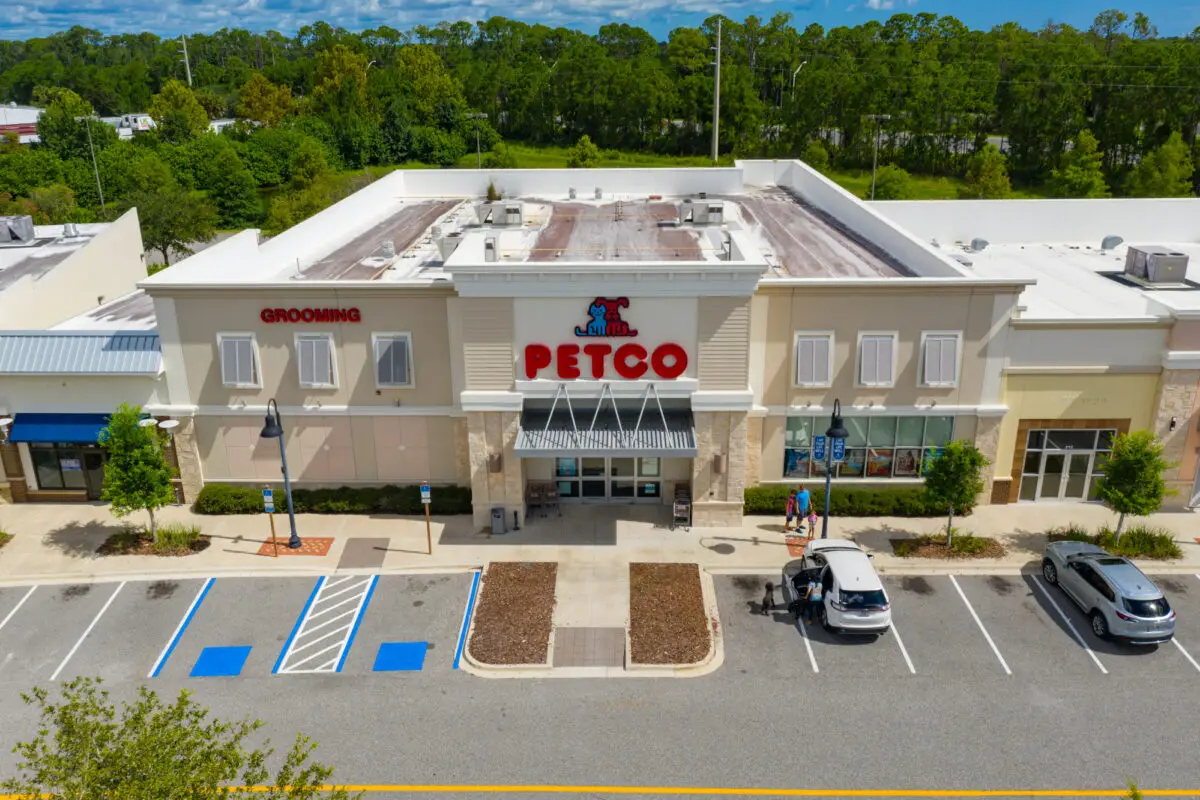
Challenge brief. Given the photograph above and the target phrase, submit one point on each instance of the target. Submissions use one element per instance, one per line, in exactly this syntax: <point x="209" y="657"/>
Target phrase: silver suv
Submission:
<point x="1120" y="601"/>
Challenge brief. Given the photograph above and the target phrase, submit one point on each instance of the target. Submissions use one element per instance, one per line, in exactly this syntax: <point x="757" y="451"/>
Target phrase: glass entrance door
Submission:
<point x="1064" y="464"/>
<point x="602" y="480"/>
<point x="93" y="470"/>
<point x="1064" y="476"/>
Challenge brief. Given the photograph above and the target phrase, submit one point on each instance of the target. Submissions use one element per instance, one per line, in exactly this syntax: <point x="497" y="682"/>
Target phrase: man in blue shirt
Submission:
<point x="803" y="500"/>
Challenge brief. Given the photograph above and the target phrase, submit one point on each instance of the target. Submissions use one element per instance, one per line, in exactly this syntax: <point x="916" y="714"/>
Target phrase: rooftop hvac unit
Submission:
<point x="571" y="193"/>
<point x="512" y="214"/>
<point x="499" y="213"/>
<point x="490" y="249"/>
<point x="70" y="230"/>
<point x="16" y="229"/>
<point x="693" y="212"/>
<point x="716" y="213"/>
<point x="448" y="244"/>
<point x="1155" y="264"/>
<point x="387" y="249"/>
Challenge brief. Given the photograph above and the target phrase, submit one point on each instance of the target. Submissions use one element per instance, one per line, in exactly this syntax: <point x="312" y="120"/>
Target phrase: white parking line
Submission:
<point x="903" y="649"/>
<point x="790" y="592"/>
<point x="1037" y="582"/>
<point x="108" y="603"/>
<point x="16" y="608"/>
<point x="330" y="620"/>
<point x="982" y="629"/>
<point x="1186" y="654"/>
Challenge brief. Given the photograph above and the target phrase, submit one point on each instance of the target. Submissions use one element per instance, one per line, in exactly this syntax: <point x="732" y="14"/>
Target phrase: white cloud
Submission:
<point x="881" y="5"/>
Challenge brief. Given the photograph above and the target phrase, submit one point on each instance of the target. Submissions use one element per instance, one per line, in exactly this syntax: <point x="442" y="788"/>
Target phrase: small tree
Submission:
<point x="501" y="157"/>
<point x="1165" y="172"/>
<point x="987" y="176"/>
<point x="136" y="474"/>
<point x="816" y="155"/>
<point x="954" y="479"/>
<point x="89" y="749"/>
<point x="1133" y="476"/>
<point x="1082" y="170"/>
<point x="892" y="183"/>
<point x="173" y="219"/>
<point x="177" y="114"/>
<point x="584" y="155"/>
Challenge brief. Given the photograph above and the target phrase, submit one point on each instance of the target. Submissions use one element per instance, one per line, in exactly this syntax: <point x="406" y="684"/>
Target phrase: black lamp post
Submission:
<point x="273" y="429"/>
<point x="836" y="431"/>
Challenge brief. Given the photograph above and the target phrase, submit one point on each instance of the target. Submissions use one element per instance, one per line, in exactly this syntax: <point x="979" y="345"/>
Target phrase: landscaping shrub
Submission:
<point x="175" y="537"/>
<point x="5" y="537"/>
<point x="962" y="545"/>
<point x="1138" y="541"/>
<point x="218" y="498"/>
<point x="888" y="501"/>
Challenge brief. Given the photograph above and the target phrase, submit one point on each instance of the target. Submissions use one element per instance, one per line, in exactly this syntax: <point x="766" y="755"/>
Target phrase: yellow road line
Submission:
<point x="723" y="791"/>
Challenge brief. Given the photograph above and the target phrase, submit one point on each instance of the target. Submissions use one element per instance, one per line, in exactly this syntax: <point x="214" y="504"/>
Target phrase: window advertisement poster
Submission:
<point x="879" y="463"/>
<point x="795" y="463"/>
<point x="70" y="465"/>
<point x="908" y="461"/>
<point x="854" y="463"/>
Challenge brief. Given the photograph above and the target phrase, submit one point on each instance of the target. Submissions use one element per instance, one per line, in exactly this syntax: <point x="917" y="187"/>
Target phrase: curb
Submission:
<point x="58" y="578"/>
<point x="479" y="669"/>
<point x="712" y="660"/>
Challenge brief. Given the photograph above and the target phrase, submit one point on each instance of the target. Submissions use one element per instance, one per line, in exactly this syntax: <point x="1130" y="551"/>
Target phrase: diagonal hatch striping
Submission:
<point x="327" y="628"/>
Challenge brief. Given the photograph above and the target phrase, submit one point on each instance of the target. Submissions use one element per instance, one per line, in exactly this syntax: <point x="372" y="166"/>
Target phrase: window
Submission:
<point x="877" y="359"/>
<point x="239" y="359"/>
<point x="393" y="359"/>
<point x="314" y="352"/>
<point x="61" y="465"/>
<point x="878" y="447"/>
<point x="1048" y="452"/>
<point x="939" y="355"/>
<point x="1147" y="609"/>
<point x="814" y="359"/>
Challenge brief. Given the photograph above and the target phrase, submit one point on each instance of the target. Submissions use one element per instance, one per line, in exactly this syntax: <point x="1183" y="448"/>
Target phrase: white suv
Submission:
<point x="854" y="598"/>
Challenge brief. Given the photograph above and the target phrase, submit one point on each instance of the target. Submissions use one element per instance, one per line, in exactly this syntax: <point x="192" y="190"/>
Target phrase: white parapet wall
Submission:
<point x="556" y="183"/>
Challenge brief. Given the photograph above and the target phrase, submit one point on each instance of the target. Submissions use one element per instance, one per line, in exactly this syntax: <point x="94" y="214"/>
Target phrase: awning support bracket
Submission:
<point x="562" y="391"/>
<point x="650" y="390"/>
<point x="607" y="388"/>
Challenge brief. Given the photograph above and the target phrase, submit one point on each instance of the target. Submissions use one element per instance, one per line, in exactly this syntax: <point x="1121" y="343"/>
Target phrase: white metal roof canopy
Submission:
<point x="567" y="432"/>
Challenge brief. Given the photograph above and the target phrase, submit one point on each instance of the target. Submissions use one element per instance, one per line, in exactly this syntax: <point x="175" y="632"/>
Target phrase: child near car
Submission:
<point x="792" y="509"/>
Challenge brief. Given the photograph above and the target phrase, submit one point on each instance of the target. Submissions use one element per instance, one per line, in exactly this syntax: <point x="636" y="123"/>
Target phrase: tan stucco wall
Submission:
<point x="495" y="432"/>
<point x="717" y="499"/>
<point x="1070" y="396"/>
<point x="423" y="314"/>
<point x="1179" y="398"/>
<point x="848" y="312"/>
<point x="330" y="450"/>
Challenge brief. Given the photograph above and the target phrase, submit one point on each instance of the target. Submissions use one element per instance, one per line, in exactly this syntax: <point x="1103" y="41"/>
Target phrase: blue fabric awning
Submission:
<point x="57" y="427"/>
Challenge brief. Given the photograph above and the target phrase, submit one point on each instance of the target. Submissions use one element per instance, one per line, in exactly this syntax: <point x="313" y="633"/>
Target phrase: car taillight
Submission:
<point x="837" y="606"/>
<point x="1124" y="616"/>
<point x="885" y="607"/>
<point x="1171" y="615"/>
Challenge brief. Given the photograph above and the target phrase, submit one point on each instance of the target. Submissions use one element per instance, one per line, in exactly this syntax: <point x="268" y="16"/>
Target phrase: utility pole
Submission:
<point x="478" y="153"/>
<point x="717" y="95"/>
<point x="875" y="158"/>
<point x="187" y="66"/>
<point x="96" y="169"/>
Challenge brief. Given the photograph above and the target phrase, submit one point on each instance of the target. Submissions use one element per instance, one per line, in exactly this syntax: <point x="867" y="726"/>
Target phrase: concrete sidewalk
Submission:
<point x="57" y="543"/>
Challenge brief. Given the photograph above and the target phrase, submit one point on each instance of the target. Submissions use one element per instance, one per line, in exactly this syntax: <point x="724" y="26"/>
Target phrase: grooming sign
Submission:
<point x="606" y="338"/>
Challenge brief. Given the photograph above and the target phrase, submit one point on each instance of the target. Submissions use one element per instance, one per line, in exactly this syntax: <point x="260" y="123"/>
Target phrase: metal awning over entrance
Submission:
<point x="646" y="432"/>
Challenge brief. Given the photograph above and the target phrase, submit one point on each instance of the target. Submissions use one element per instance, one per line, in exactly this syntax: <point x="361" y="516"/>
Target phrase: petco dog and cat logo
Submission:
<point x="630" y="361"/>
<point x="606" y="319"/>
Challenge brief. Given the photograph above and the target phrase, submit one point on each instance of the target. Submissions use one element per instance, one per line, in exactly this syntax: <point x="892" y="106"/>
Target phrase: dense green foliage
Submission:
<point x="1113" y="108"/>
<point x="1140" y="541"/>
<point x="1133" y="476"/>
<point x="136" y="474"/>
<point x="954" y="480"/>
<point x="222" y="498"/>
<point x="890" y="501"/>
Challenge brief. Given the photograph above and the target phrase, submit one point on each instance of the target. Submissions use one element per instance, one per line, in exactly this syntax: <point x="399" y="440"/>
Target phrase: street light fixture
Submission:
<point x="273" y="429"/>
<point x="478" y="154"/>
<point x="836" y="431"/>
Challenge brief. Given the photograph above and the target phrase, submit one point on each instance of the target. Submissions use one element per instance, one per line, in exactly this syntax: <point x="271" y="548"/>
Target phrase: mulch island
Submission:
<point x="514" y="614"/>
<point x="667" y="620"/>
<point x="140" y="543"/>
<point x="963" y="546"/>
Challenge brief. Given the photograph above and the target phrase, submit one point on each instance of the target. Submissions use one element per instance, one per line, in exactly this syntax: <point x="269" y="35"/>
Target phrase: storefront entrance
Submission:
<point x="1064" y="465"/>
<point x="609" y="480"/>
<point x="68" y="465"/>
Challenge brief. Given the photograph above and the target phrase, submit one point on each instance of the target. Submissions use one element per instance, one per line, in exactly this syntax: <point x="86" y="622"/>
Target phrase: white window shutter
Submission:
<point x="933" y="361"/>
<point x="305" y="357"/>
<point x="804" y="361"/>
<point x="383" y="362"/>
<point x="229" y="371"/>
<point x="886" y="343"/>
<point x="392" y="361"/>
<point x="322" y="362"/>
<point x="820" y="360"/>
<point x="869" y="359"/>
<point x="400" y="360"/>
<point x="949" y="359"/>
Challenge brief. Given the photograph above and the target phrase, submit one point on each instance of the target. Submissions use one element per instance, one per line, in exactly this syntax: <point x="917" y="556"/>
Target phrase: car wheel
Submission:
<point x="1049" y="572"/>
<point x="1099" y="625"/>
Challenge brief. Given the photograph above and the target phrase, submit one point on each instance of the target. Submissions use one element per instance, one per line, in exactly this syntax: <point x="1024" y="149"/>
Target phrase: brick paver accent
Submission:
<point x="589" y="647"/>
<point x="309" y="546"/>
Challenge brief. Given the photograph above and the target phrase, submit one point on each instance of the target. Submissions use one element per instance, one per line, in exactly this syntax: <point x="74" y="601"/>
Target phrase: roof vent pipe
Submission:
<point x="1110" y="242"/>
<point x="389" y="249"/>
<point x="979" y="244"/>
<point x="599" y="194"/>
<point x="70" y="231"/>
<point x="571" y="193"/>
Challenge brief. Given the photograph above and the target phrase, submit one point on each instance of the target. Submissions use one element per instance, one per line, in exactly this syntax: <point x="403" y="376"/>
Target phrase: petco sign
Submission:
<point x="597" y="360"/>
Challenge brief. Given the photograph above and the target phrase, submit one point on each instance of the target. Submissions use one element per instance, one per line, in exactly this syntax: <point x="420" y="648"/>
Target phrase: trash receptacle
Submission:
<point x="498" y="520"/>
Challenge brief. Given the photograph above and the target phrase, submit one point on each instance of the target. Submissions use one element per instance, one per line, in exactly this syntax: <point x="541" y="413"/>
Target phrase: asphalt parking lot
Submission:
<point x="956" y="627"/>
<point x="231" y="627"/>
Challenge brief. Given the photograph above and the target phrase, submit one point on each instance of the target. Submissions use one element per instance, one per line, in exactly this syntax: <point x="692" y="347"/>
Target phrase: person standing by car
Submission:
<point x="791" y="511"/>
<point x="803" y="501"/>
<point x="812" y="599"/>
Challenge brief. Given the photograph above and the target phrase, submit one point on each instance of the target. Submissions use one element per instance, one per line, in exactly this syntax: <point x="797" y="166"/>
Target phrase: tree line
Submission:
<point x="1113" y="109"/>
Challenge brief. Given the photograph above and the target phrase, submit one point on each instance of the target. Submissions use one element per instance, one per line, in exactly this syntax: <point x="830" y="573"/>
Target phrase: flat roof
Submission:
<point x="808" y="243"/>
<point x="131" y="312"/>
<point x="1079" y="281"/>
<point x="49" y="248"/>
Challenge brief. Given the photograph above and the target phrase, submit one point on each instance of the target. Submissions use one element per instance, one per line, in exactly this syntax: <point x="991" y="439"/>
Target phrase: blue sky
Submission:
<point x="24" y="18"/>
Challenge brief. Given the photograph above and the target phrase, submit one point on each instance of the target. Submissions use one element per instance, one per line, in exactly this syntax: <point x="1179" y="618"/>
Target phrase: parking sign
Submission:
<point x="425" y="492"/>
<point x="818" y="448"/>
<point x="268" y="501"/>
<point x="839" y="449"/>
